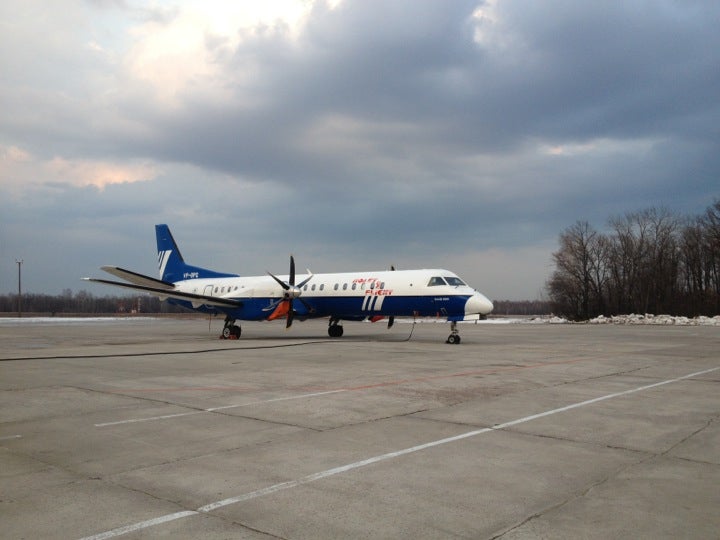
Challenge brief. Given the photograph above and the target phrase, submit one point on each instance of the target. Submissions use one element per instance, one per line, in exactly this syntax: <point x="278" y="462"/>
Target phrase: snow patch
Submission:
<point x="660" y="320"/>
<point x="633" y="319"/>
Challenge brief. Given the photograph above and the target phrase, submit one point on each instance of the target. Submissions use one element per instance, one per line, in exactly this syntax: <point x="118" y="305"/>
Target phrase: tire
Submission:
<point x="335" y="331"/>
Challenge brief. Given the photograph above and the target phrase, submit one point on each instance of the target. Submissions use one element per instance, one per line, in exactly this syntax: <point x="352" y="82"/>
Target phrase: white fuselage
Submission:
<point x="427" y="292"/>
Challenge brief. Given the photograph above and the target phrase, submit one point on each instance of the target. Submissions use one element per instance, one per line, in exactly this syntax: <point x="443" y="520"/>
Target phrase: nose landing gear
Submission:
<point x="454" y="337"/>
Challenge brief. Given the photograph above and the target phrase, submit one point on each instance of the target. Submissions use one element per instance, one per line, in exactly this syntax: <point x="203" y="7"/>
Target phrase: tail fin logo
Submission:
<point x="163" y="258"/>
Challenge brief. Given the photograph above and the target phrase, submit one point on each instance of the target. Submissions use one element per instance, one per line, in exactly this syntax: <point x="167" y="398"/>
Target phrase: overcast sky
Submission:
<point x="354" y="134"/>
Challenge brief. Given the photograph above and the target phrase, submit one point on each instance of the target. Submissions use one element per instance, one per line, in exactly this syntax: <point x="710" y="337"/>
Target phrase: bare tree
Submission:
<point x="577" y="285"/>
<point x="660" y="267"/>
<point x="711" y="244"/>
<point x="653" y="261"/>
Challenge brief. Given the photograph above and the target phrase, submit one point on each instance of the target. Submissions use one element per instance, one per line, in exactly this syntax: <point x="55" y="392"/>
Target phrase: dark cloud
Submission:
<point x="568" y="74"/>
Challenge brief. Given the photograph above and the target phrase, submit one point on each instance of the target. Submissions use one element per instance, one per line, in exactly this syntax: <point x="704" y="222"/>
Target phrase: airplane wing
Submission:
<point x="137" y="279"/>
<point x="163" y="292"/>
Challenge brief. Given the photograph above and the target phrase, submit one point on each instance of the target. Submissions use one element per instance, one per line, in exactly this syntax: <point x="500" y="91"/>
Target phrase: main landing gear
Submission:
<point x="230" y="330"/>
<point x="335" y="330"/>
<point x="454" y="337"/>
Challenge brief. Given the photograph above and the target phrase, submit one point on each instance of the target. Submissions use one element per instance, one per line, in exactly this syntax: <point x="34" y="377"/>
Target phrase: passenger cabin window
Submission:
<point x="436" y="281"/>
<point x="322" y="286"/>
<point x="344" y="286"/>
<point x="454" y="281"/>
<point x="335" y="287"/>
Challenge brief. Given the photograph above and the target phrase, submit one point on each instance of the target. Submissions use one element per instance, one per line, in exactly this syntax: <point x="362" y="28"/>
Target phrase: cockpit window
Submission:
<point x="435" y="281"/>
<point x="455" y="281"/>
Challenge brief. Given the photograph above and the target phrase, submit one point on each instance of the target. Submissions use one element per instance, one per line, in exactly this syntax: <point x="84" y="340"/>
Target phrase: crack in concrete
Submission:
<point x="246" y="526"/>
<point x="578" y="495"/>
<point x="575" y="496"/>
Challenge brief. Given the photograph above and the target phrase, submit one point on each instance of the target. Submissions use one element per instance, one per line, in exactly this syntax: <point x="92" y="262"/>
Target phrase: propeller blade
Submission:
<point x="290" y="315"/>
<point x="284" y="285"/>
<point x="304" y="281"/>
<point x="307" y="306"/>
<point x="292" y="270"/>
<point x="391" y="319"/>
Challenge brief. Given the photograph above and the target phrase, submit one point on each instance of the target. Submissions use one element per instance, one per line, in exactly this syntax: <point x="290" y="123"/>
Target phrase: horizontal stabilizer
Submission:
<point x="163" y="293"/>
<point x="137" y="279"/>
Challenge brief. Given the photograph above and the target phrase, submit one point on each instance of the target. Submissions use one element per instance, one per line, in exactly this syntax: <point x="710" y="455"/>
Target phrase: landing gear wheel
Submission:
<point x="230" y="330"/>
<point x="454" y="337"/>
<point x="335" y="330"/>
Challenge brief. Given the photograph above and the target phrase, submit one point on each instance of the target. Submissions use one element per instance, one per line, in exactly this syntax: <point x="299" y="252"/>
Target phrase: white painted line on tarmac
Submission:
<point x="213" y="409"/>
<point x="383" y="457"/>
<point x="315" y="394"/>
<point x="10" y="437"/>
<point x="337" y="470"/>
<point x="148" y="419"/>
<point x="139" y="526"/>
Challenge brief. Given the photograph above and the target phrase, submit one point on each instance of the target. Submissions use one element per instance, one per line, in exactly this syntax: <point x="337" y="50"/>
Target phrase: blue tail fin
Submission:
<point x="171" y="264"/>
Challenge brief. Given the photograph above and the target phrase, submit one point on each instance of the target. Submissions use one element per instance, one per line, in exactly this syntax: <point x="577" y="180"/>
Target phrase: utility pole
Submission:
<point x="19" y="263"/>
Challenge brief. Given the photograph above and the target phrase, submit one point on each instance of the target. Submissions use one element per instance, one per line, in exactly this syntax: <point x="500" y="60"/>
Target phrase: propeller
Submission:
<point x="284" y="306"/>
<point x="391" y="319"/>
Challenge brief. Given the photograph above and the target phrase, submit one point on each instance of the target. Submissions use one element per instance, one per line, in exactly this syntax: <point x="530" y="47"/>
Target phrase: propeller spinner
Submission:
<point x="284" y="306"/>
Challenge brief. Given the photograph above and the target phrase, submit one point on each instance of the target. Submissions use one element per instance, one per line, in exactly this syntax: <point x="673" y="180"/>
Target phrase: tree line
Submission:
<point x="522" y="307"/>
<point x="84" y="302"/>
<point x="651" y="261"/>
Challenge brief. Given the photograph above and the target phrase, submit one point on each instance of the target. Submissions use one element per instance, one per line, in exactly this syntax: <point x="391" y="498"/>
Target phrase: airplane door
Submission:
<point x="208" y="290"/>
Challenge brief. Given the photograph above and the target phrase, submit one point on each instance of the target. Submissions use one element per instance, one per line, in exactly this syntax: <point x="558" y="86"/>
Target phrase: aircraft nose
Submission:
<point x="478" y="304"/>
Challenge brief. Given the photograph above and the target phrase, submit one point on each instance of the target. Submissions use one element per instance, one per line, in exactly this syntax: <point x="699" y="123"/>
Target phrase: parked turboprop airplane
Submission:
<point x="352" y="296"/>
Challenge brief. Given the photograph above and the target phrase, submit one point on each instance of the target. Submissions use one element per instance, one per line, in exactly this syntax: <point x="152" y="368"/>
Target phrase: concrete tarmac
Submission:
<point x="155" y="428"/>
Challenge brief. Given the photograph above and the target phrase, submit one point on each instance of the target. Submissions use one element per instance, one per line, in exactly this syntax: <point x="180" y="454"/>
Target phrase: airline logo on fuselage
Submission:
<point x="374" y="299"/>
<point x="374" y="295"/>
